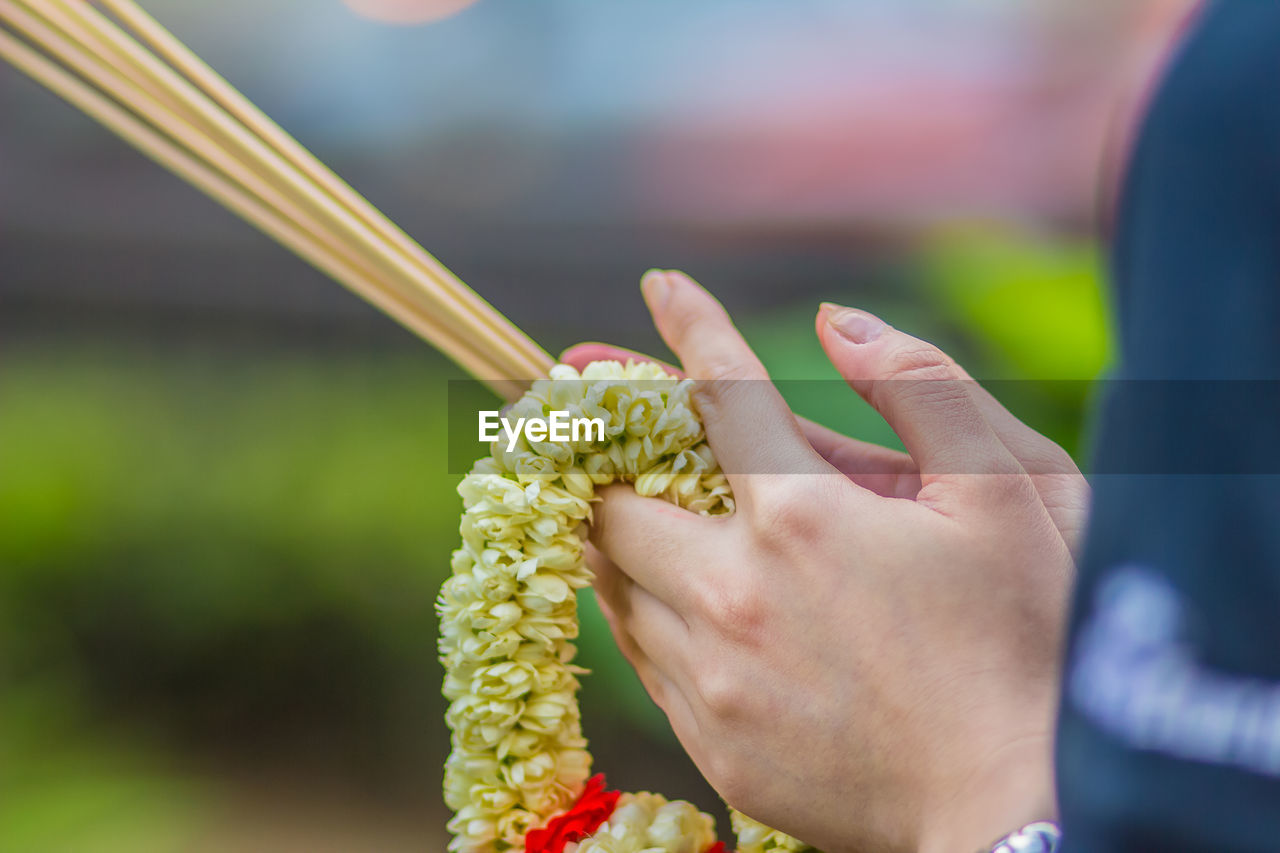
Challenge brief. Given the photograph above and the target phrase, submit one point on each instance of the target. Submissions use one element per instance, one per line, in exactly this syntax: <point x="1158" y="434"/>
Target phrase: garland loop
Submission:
<point x="516" y="778"/>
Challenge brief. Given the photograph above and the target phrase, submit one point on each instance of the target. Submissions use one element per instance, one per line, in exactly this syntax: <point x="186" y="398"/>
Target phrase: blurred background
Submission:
<point x="224" y="501"/>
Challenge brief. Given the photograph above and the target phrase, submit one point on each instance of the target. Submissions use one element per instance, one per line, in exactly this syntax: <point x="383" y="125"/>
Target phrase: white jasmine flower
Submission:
<point x="755" y="837"/>
<point x="508" y="612"/>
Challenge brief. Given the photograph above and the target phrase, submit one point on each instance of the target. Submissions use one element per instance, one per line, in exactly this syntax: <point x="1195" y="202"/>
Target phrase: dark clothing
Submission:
<point x="1169" y="736"/>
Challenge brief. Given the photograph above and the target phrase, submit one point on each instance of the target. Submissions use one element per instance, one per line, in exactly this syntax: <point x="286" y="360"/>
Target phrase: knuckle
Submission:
<point x="738" y="612"/>
<point x="783" y="515"/>
<point x="724" y="382"/>
<point x="719" y="692"/>
<point x="934" y="394"/>
<point x="920" y="361"/>
<point x="918" y="374"/>
<point x="1008" y="490"/>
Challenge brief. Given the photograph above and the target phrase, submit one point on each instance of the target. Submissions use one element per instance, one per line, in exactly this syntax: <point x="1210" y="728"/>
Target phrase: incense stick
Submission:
<point x="270" y="164"/>
<point x="198" y="144"/>
<point x="165" y="44"/>
<point x="217" y="140"/>
<point x="220" y="189"/>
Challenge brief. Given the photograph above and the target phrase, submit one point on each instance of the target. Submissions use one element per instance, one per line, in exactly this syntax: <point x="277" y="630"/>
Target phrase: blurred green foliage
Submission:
<point x="63" y="790"/>
<point x="238" y="553"/>
<point x="144" y="498"/>
<point x="232" y="553"/>
<point x="1035" y="307"/>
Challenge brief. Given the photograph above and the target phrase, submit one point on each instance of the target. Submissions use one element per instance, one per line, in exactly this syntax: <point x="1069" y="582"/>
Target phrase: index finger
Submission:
<point x="749" y="426"/>
<point x="663" y="548"/>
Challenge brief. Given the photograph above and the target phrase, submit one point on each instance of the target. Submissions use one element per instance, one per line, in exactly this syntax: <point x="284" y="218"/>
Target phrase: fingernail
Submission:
<point x="656" y="287"/>
<point x="853" y="325"/>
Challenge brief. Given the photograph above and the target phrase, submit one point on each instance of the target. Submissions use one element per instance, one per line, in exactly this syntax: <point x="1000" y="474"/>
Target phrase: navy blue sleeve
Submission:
<point x="1169" y="733"/>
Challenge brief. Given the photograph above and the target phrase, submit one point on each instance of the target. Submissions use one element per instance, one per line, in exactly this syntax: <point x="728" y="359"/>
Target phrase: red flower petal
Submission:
<point x="592" y="808"/>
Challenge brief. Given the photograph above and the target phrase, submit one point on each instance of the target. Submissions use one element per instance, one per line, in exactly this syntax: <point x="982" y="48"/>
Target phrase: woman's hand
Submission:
<point x="866" y="653"/>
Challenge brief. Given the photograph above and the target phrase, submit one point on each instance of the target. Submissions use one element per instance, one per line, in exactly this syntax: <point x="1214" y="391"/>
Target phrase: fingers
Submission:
<point x="922" y="394"/>
<point x="749" y="425"/>
<point x="606" y="589"/>
<point x="887" y="473"/>
<point x="650" y="636"/>
<point x="649" y="539"/>
<point x="698" y="329"/>
<point x="657" y="630"/>
<point x="1028" y="446"/>
<point x="1057" y="479"/>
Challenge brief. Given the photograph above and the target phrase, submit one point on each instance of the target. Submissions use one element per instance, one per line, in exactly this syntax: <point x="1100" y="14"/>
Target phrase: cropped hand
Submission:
<point x="866" y="653"/>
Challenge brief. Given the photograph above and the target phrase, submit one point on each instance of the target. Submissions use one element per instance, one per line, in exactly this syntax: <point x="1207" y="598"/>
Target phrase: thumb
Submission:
<point x="920" y="391"/>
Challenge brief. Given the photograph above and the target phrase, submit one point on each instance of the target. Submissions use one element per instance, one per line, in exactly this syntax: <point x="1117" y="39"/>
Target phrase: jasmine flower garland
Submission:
<point x="508" y="616"/>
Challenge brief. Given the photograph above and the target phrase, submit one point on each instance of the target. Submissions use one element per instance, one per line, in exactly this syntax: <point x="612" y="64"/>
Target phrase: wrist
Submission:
<point x="1010" y="790"/>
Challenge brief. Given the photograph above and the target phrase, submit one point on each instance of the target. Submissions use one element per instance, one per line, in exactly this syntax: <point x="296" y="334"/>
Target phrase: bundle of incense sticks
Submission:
<point x="121" y="67"/>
